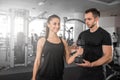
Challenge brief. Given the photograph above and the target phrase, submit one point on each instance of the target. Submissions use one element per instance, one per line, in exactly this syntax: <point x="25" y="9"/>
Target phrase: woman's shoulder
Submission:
<point x="41" y="41"/>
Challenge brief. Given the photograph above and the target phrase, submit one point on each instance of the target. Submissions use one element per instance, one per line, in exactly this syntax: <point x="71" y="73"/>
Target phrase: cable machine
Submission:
<point x="70" y="31"/>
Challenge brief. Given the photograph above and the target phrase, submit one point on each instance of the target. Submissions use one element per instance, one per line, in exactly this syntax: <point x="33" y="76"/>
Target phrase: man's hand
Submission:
<point x="85" y="64"/>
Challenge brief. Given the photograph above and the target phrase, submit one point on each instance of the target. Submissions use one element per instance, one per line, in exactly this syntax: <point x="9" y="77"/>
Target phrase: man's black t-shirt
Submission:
<point x="93" y="42"/>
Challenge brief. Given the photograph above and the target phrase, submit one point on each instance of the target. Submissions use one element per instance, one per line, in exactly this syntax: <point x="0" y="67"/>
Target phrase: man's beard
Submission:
<point x="93" y="25"/>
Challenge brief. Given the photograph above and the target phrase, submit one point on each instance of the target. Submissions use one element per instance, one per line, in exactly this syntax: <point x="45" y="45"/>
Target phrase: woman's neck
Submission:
<point x="52" y="35"/>
<point x="53" y="38"/>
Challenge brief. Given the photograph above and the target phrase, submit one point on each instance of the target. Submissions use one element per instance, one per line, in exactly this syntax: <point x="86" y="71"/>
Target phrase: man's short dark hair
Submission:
<point x="94" y="11"/>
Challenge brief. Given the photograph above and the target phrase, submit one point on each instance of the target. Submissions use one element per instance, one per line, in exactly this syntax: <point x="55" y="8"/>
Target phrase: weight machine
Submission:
<point x="69" y="31"/>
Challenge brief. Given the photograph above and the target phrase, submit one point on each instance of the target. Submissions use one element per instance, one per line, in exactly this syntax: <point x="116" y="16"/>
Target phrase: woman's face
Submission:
<point x="54" y="25"/>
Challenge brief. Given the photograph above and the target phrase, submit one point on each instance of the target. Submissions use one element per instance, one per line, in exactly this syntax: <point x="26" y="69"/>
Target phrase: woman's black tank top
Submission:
<point x="52" y="66"/>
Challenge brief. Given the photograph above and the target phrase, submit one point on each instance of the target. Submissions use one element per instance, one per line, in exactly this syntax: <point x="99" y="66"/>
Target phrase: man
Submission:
<point x="97" y="48"/>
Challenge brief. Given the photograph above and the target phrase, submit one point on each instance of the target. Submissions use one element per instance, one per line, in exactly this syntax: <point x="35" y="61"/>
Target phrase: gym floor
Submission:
<point x="25" y="73"/>
<point x="71" y="72"/>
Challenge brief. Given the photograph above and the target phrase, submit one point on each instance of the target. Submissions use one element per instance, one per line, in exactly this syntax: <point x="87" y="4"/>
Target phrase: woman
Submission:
<point x="54" y="50"/>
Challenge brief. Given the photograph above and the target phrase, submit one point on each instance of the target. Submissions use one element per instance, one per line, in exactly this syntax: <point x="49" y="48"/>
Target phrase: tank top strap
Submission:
<point x="45" y="41"/>
<point x="62" y="44"/>
<point x="44" y="46"/>
<point x="61" y="40"/>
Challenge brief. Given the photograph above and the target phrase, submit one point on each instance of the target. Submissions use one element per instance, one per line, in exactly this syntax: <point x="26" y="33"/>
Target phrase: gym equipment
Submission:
<point x="70" y="30"/>
<point x="114" y="66"/>
<point x="115" y="72"/>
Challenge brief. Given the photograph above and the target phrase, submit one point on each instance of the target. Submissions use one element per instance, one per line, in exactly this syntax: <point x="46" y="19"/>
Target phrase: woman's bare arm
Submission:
<point x="69" y="58"/>
<point x="40" y="45"/>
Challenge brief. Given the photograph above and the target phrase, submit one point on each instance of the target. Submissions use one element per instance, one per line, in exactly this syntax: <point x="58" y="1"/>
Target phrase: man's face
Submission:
<point x="90" y="21"/>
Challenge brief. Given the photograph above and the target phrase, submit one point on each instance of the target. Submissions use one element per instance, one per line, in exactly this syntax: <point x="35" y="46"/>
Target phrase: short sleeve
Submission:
<point x="80" y="36"/>
<point x="107" y="39"/>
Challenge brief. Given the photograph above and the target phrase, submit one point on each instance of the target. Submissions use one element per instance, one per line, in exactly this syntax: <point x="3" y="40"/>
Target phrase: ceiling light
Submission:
<point x="42" y="2"/>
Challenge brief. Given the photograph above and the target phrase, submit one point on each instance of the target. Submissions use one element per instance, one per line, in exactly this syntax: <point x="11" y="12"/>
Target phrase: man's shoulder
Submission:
<point x="104" y="32"/>
<point x="85" y="31"/>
